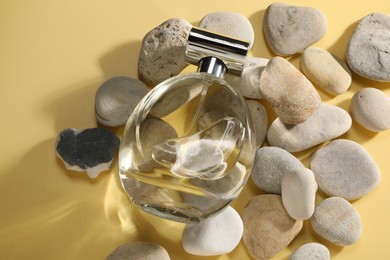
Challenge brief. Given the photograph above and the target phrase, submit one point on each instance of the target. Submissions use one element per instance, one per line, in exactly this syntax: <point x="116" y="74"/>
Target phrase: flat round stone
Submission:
<point x="229" y="23"/>
<point x="368" y="51"/>
<point x="345" y="169"/>
<point x="268" y="228"/>
<point x="116" y="99"/>
<point x="311" y="251"/>
<point x="336" y="220"/>
<point x="370" y="107"/>
<point x="139" y="251"/>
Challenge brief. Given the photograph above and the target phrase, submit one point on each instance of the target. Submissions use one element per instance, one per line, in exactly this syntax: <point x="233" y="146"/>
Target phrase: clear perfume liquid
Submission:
<point x="187" y="149"/>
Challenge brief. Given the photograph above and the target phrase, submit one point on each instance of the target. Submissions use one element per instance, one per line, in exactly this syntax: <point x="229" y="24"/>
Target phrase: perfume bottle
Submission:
<point x="188" y="147"/>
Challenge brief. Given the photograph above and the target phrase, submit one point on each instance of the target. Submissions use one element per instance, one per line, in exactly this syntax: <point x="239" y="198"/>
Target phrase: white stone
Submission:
<point x="248" y="84"/>
<point x="290" y="29"/>
<point x="116" y="99"/>
<point x="326" y="123"/>
<point x="326" y="70"/>
<point x="336" y="220"/>
<point x="259" y="120"/>
<point x="269" y="167"/>
<point x="229" y="23"/>
<point x="370" y="107"/>
<point x="163" y="50"/>
<point x="139" y="251"/>
<point x="299" y="193"/>
<point x="215" y="236"/>
<point x="311" y="251"/>
<point x="345" y="169"/>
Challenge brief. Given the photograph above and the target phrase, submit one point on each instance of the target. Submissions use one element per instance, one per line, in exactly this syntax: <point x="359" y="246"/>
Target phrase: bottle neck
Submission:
<point x="212" y="65"/>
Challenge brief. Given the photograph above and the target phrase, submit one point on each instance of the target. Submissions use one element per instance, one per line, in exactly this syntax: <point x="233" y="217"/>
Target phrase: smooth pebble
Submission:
<point x="139" y="251"/>
<point x="229" y="23"/>
<point x="326" y="123"/>
<point x="248" y="84"/>
<point x="370" y="107"/>
<point x="290" y="93"/>
<point x="216" y="235"/>
<point x="163" y="50"/>
<point x="326" y="70"/>
<point x="259" y="120"/>
<point x="336" y="220"/>
<point x="289" y="29"/>
<point x="311" y="251"/>
<point x="368" y="51"/>
<point x="269" y="167"/>
<point x="299" y="189"/>
<point x="268" y="228"/>
<point x="116" y="99"/>
<point x="345" y="169"/>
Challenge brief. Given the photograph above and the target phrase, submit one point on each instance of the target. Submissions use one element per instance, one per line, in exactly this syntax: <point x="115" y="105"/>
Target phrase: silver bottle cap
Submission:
<point x="202" y="43"/>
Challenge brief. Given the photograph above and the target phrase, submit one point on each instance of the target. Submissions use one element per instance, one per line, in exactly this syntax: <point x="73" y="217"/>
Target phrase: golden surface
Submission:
<point x="53" y="57"/>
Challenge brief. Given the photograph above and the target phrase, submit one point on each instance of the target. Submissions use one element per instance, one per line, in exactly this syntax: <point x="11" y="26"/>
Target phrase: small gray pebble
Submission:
<point x="311" y="251"/>
<point x="259" y="120"/>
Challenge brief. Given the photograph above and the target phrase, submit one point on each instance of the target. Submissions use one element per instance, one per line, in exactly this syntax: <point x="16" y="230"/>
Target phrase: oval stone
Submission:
<point x="370" y="107"/>
<point x="229" y="23"/>
<point x="336" y="220"/>
<point x="289" y="92"/>
<point x="248" y="84"/>
<point x="299" y="193"/>
<point x="116" y="99"/>
<point x="345" y="169"/>
<point x="269" y="167"/>
<point x="326" y="123"/>
<point x="268" y="228"/>
<point x="163" y="50"/>
<point x="326" y="70"/>
<point x="215" y="236"/>
<point x="259" y="118"/>
<point x="368" y="51"/>
<point x="311" y="251"/>
<point x="139" y="251"/>
<point x="290" y="29"/>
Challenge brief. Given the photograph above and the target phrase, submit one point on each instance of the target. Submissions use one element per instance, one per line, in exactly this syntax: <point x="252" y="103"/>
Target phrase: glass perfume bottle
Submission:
<point x="188" y="147"/>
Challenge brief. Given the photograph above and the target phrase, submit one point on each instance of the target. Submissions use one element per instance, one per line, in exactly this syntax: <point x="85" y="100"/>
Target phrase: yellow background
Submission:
<point x="53" y="57"/>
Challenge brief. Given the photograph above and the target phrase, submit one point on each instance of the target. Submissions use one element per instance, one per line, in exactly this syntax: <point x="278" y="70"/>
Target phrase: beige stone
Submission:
<point x="139" y="251"/>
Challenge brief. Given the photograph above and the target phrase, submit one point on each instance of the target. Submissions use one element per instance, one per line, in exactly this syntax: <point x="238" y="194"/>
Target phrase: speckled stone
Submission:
<point x="139" y="251"/>
<point x="326" y="70"/>
<point x="268" y="228"/>
<point x="311" y="251"/>
<point x="336" y="220"/>
<point x="229" y="23"/>
<point x="248" y="84"/>
<point x="326" y="123"/>
<point x="345" y="169"/>
<point x="269" y="167"/>
<point x="290" y="29"/>
<point x="289" y="92"/>
<point x="116" y="99"/>
<point x="259" y="120"/>
<point x="91" y="150"/>
<point x="163" y="50"/>
<point x="370" y="107"/>
<point x="215" y="236"/>
<point x="368" y="51"/>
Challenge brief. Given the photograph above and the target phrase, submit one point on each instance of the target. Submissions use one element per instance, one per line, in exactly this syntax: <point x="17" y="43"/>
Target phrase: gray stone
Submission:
<point x="268" y="228"/>
<point x="345" y="169"/>
<point x="270" y="165"/>
<point x="290" y="29"/>
<point x="326" y="70"/>
<point x="248" y="84"/>
<point x="289" y="92"/>
<point x="370" y="107"/>
<point x="163" y="50"/>
<point x="326" y="123"/>
<point x="139" y="251"/>
<point x="216" y="235"/>
<point x="299" y="189"/>
<point x="229" y="23"/>
<point x="259" y="120"/>
<point x="311" y="251"/>
<point x="336" y="220"/>
<point x="116" y="99"/>
<point x="368" y="51"/>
